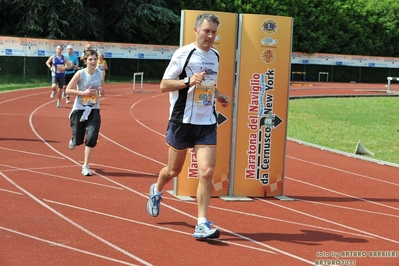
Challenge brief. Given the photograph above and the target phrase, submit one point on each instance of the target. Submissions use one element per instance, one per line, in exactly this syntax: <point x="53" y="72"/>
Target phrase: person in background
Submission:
<point x="57" y="64"/>
<point x="82" y="57"/>
<point x="86" y="84"/>
<point x="191" y="79"/>
<point x="102" y="64"/>
<point x="69" y="72"/>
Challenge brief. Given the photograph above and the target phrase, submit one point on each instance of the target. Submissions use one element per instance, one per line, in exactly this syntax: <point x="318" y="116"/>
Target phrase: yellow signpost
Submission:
<point x="252" y="138"/>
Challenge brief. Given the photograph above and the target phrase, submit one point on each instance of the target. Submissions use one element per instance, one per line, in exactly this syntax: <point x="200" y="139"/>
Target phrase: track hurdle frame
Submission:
<point x="389" y="82"/>
<point x="293" y="73"/>
<point x="141" y="81"/>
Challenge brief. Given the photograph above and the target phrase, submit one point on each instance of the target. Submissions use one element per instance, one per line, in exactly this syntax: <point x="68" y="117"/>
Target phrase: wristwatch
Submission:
<point x="186" y="81"/>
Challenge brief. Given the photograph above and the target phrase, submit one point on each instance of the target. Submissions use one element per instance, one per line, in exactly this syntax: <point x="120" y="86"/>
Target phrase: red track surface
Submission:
<point x="52" y="215"/>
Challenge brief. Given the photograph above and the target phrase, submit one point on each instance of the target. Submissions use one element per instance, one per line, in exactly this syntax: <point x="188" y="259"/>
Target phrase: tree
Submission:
<point x="118" y="20"/>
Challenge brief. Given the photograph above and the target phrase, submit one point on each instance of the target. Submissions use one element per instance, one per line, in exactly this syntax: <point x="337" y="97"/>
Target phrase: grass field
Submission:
<point x="339" y="123"/>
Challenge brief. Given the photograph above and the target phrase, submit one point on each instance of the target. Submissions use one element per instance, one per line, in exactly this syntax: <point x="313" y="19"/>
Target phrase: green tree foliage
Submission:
<point x="101" y="20"/>
<point x="363" y="27"/>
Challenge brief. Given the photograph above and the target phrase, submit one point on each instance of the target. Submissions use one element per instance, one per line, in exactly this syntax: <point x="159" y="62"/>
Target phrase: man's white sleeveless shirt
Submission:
<point x="184" y="107"/>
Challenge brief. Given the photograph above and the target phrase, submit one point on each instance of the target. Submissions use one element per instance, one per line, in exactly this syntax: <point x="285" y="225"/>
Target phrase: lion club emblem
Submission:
<point x="269" y="26"/>
<point x="268" y="56"/>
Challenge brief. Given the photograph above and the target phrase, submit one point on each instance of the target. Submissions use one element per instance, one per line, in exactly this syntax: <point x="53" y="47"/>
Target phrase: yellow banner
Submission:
<point x="225" y="43"/>
<point x="262" y="104"/>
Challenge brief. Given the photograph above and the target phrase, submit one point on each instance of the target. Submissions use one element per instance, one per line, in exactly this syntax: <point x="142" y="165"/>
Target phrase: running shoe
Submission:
<point x="58" y="104"/>
<point x="52" y="94"/>
<point x="67" y="100"/>
<point x="205" y="230"/>
<point x="154" y="202"/>
<point x="86" y="170"/>
<point x="71" y="144"/>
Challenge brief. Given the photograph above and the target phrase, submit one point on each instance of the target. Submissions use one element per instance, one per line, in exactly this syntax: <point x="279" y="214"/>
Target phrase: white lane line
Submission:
<point x="65" y="246"/>
<point x="23" y="96"/>
<point x="124" y="169"/>
<point x="152" y="225"/>
<point x="62" y="177"/>
<point x="165" y="205"/>
<point x="272" y="219"/>
<point x="344" y="171"/>
<point x="342" y="194"/>
<point x="74" y="223"/>
<point x="32" y="153"/>
<point x="348" y="208"/>
<point x="331" y="222"/>
<point x="10" y="191"/>
<point x="131" y="151"/>
<point x="138" y="121"/>
<point x="224" y="229"/>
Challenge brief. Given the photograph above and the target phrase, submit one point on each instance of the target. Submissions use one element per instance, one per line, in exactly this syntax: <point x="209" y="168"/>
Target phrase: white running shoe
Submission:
<point x="154" y="202"/>
<point x="58" y="104"/>
<point x="86" y="170"/>
<point x="205" y="230"/>
<point x="52" y="94"/>
<point x="67" y="100"/>
<point x="71" y="144"/>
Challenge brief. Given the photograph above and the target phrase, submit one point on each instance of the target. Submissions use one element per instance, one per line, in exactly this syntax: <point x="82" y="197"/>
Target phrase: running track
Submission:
<point x="52" y="215"/>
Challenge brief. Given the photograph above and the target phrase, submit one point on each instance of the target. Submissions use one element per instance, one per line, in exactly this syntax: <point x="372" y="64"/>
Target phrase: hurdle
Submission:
<point x="389" y="82"/>
<point x="141" y="81"/>
<point x="323" y="73"/>
<point x="300" y="73"/>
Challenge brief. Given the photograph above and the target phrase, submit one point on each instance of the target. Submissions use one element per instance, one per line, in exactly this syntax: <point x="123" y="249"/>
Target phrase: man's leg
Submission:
<point x="53" y="90"/>
<point x="176" y="160"/>
<point x="175" y="163"/>
<point x="206" y="158"/>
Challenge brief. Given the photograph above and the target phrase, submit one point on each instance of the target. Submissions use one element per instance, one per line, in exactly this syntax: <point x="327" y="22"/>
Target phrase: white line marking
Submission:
<point x="131" y="113"/>
<point x="331" y="222"/>
<point x="65" y="246"/>
<point x="9" y="191"/>
<point x="165" y="205"/>
<point x="343" y="171"/>
<point x="124" y="169"/>
<point x="62" y="177"/>
<point x="32" y="153"/>
<point x="347" y="208"/>
<point x="151" y="225"/>
<point x="74" y="223"/>
<point x="343" y="194"/>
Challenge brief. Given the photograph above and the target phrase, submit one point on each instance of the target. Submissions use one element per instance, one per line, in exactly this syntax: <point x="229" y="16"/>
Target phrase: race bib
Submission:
<point x="204" y="93"/>
<point x="60" y="69"/>
<point x="90" y="100"/>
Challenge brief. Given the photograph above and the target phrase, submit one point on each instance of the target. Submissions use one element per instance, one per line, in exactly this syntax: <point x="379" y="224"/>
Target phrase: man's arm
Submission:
<point x="174" y="85"/>
<point x="222" y="98"/>
<point x="48" y="62"/>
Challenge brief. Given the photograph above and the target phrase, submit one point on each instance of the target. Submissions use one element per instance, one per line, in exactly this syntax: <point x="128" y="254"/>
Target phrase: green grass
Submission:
<point x="14" y="82"/>
<point x="9" y="87"/>
<point x="339" y="123"/>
